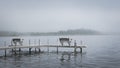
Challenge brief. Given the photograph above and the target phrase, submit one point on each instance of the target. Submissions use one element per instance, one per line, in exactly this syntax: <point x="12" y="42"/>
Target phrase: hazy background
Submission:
<point x="55" y="15"/>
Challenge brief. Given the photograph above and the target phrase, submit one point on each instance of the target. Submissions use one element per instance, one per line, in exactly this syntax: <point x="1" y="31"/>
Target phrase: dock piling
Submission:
<point x="75" y="50"/>
<point x="15" y="49"/>
<point x="29" y="47"/>
<point x="75" y="44"/>
<point x="29" y="50"/>
<point x="19" y="50"/>
<point x="80" y="50"/>
<point x="5" y="49"/>
<point x="35" y="50"/>
<point x="39" y="50"/>
<point x="39" y="46"/>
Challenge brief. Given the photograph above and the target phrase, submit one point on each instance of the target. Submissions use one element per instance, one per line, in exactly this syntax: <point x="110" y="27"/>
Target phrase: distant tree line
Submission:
<point x="67" y="32"/>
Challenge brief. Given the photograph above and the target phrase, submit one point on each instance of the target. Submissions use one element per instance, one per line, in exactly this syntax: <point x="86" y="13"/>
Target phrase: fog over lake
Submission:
<point x="55" y="15"/>
<point x="81" y="23"/>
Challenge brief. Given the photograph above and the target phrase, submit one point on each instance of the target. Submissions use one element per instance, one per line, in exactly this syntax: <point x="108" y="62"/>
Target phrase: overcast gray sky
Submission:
<point x="55" y="15"/>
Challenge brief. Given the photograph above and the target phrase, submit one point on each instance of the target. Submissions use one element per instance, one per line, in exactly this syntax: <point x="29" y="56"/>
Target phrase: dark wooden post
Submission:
<point x="39" y="46"/>
<point x="57" y="49"/>
<point x="5" y="49"/>
<point x="29" y="50"/>
<point x="35" y="50"/>
<point x="75" y="50"/>
<point x="21" y="43"/>
<point x="15" y="48"/>
<point x="81" y="50"/>
<point x="81" y="47"/>
<point x="75" y="44"/>
<point x="19" y="50"/>
<point x="12" y="45"/>
<point x="39" y="50"/>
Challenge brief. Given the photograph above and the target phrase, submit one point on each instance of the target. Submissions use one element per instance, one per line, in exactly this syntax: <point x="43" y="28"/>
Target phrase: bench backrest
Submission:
<point x="64" y="39"/>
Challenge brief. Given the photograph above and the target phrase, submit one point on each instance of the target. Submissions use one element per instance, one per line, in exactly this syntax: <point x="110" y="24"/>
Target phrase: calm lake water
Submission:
<point x="102" y="51"/>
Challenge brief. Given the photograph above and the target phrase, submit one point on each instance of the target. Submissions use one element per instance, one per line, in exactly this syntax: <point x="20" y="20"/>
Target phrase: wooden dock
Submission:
<point x="39" y="47"/>
<point x="17" y="45"/>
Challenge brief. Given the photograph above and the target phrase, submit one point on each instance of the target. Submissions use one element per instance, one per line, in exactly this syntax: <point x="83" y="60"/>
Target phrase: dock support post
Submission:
<point x="39" y="46"/>
<point x="80" y="50"/>
<point x="75" y="50"/>
<point x="5" y="49"/>
<point x="35" y="50"/>
<point x="12" y="51"/>
<point x="81" y="47"/>
<point x="75" y="44"/>
<point x="15" y="49"/>
<point x="39" y="50"/>
<point x="29" y="50"/>
<point x="15" y="52"/>
<point x="11" y="45"/>
<point x="19" y="50"/>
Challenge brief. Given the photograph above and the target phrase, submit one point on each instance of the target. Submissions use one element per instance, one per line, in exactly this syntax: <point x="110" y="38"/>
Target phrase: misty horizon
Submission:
<point x="53" y="16"/>
<point x="51" y="31"/>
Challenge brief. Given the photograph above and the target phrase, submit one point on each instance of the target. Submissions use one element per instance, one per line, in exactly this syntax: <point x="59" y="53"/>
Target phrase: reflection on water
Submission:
<point x="44" y="60"/>
<point x="72" y="58"/>
<point x="64" y="55"/>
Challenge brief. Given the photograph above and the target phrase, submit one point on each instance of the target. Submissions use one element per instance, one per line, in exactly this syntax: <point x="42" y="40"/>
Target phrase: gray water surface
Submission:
<point x="101" y="52"/>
